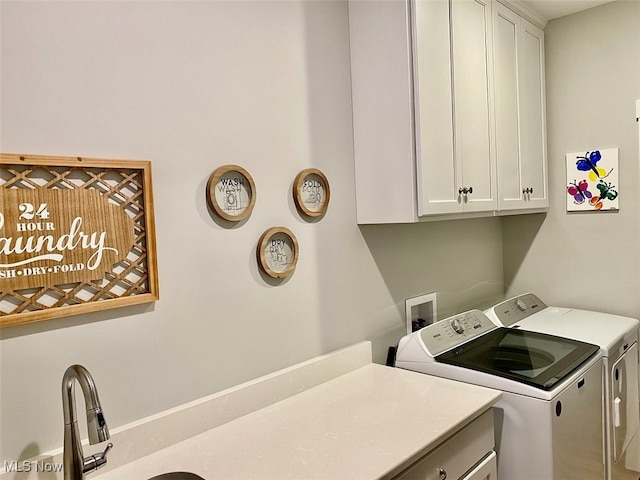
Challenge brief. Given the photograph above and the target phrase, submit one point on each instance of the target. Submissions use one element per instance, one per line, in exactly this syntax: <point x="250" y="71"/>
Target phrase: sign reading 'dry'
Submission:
<point x="57" y="236"/>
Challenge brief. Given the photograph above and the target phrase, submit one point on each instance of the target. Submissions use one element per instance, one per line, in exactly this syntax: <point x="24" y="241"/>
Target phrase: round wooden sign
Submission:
<point x="311" y="192"/>
<point x="278" y="252"/>
<point x="231" y="193"/>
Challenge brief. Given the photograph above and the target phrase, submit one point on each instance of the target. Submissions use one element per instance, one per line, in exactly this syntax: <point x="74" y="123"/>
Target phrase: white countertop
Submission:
<point x="369" y="423"/>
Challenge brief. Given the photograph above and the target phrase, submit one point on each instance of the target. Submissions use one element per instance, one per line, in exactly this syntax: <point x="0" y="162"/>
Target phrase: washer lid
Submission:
<point x="606" y="330"/>
<point x="528" y="312"/>
<point x="536" y="359"/>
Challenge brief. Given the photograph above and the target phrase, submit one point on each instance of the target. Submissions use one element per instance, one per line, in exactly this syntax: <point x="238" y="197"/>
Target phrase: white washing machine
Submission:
<point x="617" y="338"/>
<point x="549" y="420"/>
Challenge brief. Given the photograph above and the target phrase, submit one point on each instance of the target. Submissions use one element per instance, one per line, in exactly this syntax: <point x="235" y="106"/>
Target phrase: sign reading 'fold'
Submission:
<point x="56" y="236"/>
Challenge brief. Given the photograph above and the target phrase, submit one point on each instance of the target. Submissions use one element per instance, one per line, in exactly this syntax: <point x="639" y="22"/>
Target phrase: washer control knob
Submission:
<point x="457" y="326"/>
<point x="520" y="305"/>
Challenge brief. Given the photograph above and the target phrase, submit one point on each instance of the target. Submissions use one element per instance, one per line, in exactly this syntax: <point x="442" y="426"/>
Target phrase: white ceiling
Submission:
<point x="551" y="9"/>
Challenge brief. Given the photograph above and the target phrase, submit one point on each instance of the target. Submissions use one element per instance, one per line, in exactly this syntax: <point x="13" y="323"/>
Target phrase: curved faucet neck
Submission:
<point x="83" y="377"/>
<point x="75" y="465"/>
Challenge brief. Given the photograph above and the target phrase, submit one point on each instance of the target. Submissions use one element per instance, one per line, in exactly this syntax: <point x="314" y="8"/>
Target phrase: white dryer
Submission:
<point x="617" y="337"/>
<point x="548" y="422"/>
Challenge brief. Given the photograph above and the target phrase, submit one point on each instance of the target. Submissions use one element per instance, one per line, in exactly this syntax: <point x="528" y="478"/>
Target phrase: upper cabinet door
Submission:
<point x="520" y="114"/>
<point x="453" y="111"/>
<point x="438" y="171"/>
<point x="472" y="51"/>
<point x="533" y="136"/>
<point x="506" y="28"/>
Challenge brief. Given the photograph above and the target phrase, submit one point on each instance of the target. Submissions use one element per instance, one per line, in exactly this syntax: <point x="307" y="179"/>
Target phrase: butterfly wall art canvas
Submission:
<point x="592" y="180"/>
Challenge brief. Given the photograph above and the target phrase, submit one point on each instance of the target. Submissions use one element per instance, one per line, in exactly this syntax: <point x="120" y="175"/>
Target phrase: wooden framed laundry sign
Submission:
<point x="76" y="235"/>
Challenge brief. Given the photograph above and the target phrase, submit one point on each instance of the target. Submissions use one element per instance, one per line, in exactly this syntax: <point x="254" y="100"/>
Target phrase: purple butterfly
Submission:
<point x="579" y="191"/>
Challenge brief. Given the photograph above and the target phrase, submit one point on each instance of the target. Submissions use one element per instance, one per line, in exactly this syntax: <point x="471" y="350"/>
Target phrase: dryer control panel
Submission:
<point x="518" y="308"/>
<point x="456" y="330"/>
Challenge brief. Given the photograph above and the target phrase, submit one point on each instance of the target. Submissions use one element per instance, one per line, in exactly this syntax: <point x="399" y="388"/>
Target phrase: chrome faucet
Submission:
<point x="75" y="464"/>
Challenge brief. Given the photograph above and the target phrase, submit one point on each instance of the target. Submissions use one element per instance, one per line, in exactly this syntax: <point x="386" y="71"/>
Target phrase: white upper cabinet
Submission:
<point x="473" y="109"/>
<point x="453" y="114"/>
<point x="383" y="130"/>
<point x="520" y="113"/>
<point x="424" y="111"/>
<point x="438" y="170"/>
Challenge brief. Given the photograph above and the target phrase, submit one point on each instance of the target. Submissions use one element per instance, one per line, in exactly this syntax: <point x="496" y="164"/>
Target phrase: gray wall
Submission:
<point x="593" y="80"/>
<point x="192" y="86"/>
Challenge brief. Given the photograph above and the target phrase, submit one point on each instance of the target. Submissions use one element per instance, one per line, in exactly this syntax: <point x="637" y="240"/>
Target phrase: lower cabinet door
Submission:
<point x="468" y="455"/>
<point x="485" y="470"/>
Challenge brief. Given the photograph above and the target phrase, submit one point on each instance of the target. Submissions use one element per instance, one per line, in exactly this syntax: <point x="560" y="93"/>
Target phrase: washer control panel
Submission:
<point x="518" y="308"/>
<point x="453" y="331"/>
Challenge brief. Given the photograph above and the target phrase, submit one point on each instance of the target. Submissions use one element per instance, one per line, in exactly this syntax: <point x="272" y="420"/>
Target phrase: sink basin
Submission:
<point x="177" y="476"/>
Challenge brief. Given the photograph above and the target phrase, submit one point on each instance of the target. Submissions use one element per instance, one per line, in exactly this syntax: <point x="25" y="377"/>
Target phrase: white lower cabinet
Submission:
<point x="468" y="455"/>
<point x="487" y="469"/>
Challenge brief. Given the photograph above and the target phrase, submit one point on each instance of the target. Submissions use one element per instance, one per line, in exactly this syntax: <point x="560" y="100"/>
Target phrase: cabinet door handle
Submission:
<point x="470" y="190"/>
<point x="461" y="191"/>
<point x="443" y="473"/>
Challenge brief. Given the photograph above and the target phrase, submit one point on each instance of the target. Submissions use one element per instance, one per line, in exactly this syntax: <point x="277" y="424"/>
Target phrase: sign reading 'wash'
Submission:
<point x="57" y="236"/>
